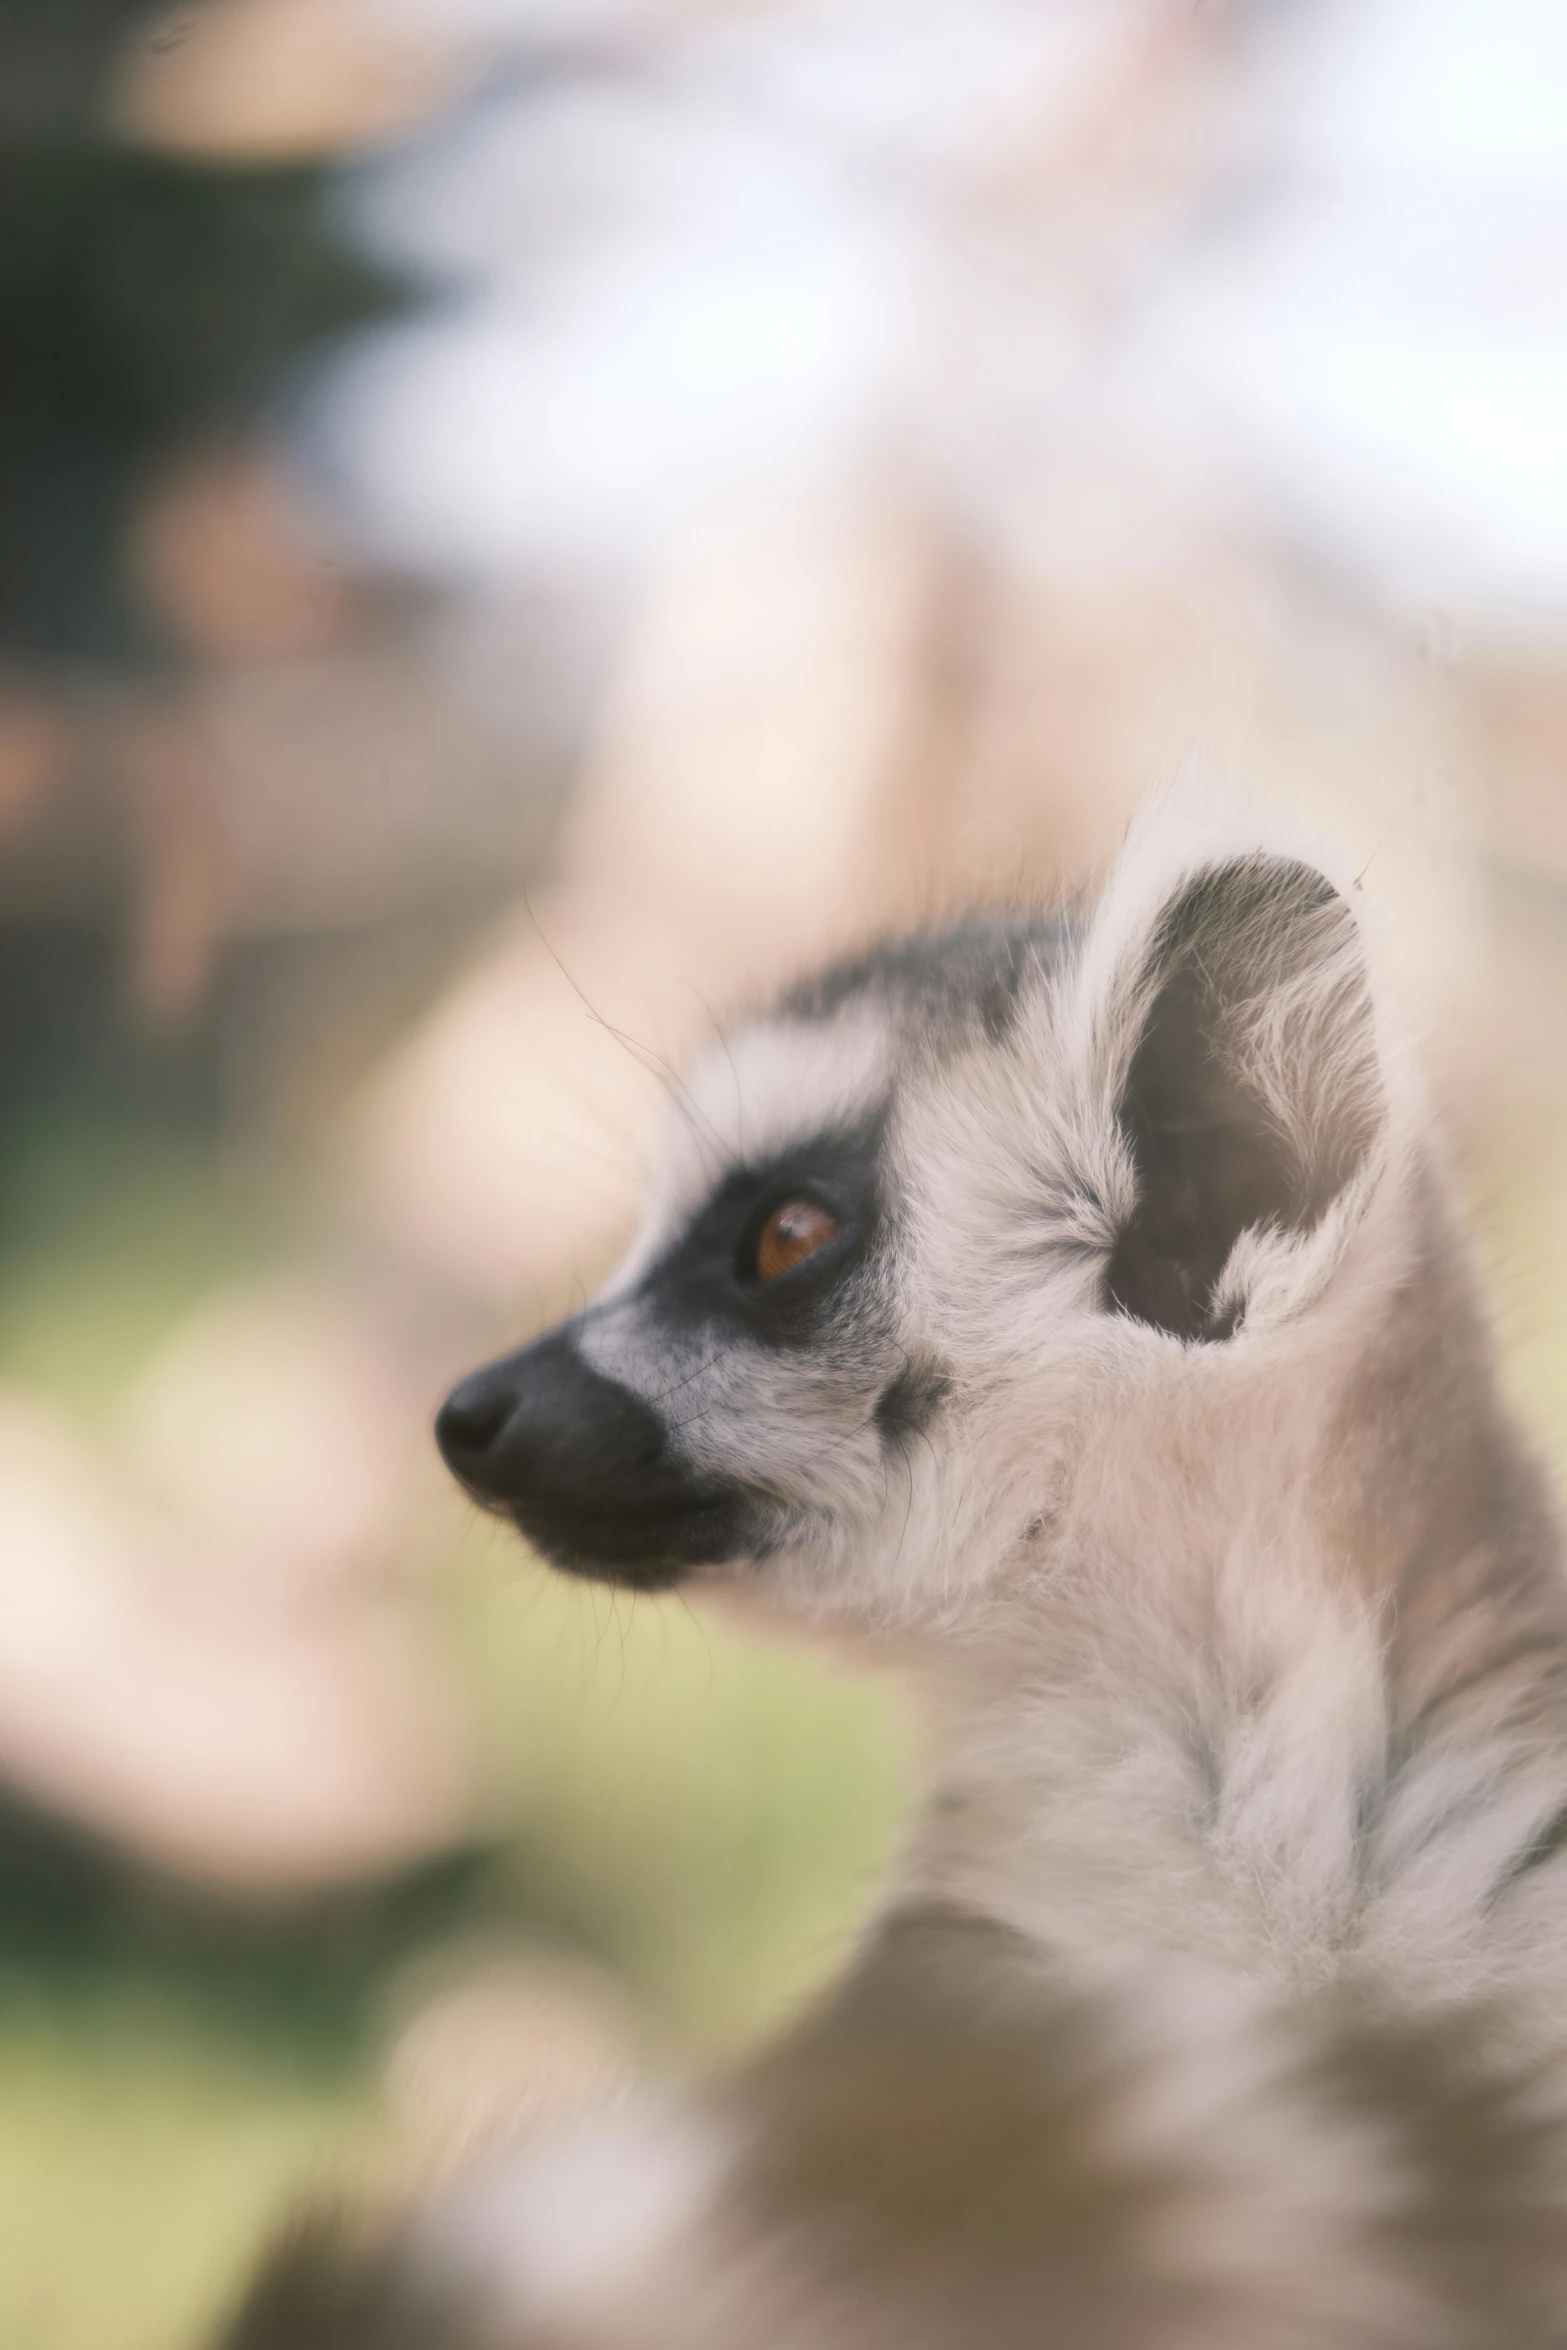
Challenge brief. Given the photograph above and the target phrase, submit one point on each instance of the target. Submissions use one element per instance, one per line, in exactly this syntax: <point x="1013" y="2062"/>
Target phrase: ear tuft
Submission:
<point x="1249" y="1097"/>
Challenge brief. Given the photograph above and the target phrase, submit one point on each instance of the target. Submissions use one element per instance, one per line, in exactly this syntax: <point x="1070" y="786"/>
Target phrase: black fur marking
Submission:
<point x="1211" y="1161"/>
<point x="907" y="1406"/>
<point x="1544" y="1846"/>
<point x="706" y="1280"/>
<point x="948" y="981"/>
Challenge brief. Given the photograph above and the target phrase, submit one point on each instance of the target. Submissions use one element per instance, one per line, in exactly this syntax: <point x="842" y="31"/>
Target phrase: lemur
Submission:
<point x="1073" y="1311"/>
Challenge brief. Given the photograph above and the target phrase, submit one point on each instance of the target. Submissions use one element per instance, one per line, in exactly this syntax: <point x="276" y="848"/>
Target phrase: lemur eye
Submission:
<point x="792" y="1233"/>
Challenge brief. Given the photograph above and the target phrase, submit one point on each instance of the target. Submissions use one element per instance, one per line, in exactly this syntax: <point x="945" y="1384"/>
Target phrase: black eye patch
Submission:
<point x="710" y="1273"/>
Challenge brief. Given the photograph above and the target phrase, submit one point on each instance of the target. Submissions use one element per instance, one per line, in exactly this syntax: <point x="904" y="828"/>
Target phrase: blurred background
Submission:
<point x="521" y="522"/>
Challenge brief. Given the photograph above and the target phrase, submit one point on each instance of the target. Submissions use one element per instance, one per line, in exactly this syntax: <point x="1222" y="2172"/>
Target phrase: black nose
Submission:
<point x="471" y="1418"/>
<point x="544" y="1420"/>
<point x="586" y="1468"/>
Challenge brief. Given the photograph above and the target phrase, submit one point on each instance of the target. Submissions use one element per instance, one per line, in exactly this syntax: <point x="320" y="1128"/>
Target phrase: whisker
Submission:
<point x="656" y="1063"/>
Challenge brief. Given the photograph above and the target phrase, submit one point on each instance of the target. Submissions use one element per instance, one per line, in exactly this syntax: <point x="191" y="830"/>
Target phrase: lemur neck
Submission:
<point x="1202" y="1724"/>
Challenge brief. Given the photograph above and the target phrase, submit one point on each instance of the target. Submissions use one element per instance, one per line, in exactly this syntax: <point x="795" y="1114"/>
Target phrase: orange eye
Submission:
<point x="792" y="1233"/>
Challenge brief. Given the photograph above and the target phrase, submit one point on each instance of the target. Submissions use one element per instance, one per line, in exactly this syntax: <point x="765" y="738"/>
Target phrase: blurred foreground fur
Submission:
<point x="1076" y="1315"/>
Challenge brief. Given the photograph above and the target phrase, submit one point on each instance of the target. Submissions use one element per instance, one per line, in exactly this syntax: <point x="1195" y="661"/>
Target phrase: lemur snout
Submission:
<point x="585" y="1468"/>
<point x="543" y="1420"/>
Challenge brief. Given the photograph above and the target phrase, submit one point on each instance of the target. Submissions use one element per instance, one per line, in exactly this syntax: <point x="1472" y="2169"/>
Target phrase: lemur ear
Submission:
<point x="1249" y="1096"/>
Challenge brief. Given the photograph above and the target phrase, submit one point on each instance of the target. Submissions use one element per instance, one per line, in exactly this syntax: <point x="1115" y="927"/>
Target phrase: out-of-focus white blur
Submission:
<point x="1298" y="264"/>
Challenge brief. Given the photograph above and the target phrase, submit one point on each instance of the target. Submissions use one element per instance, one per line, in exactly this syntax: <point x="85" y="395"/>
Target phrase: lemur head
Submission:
<point x="921" y="1230"/>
